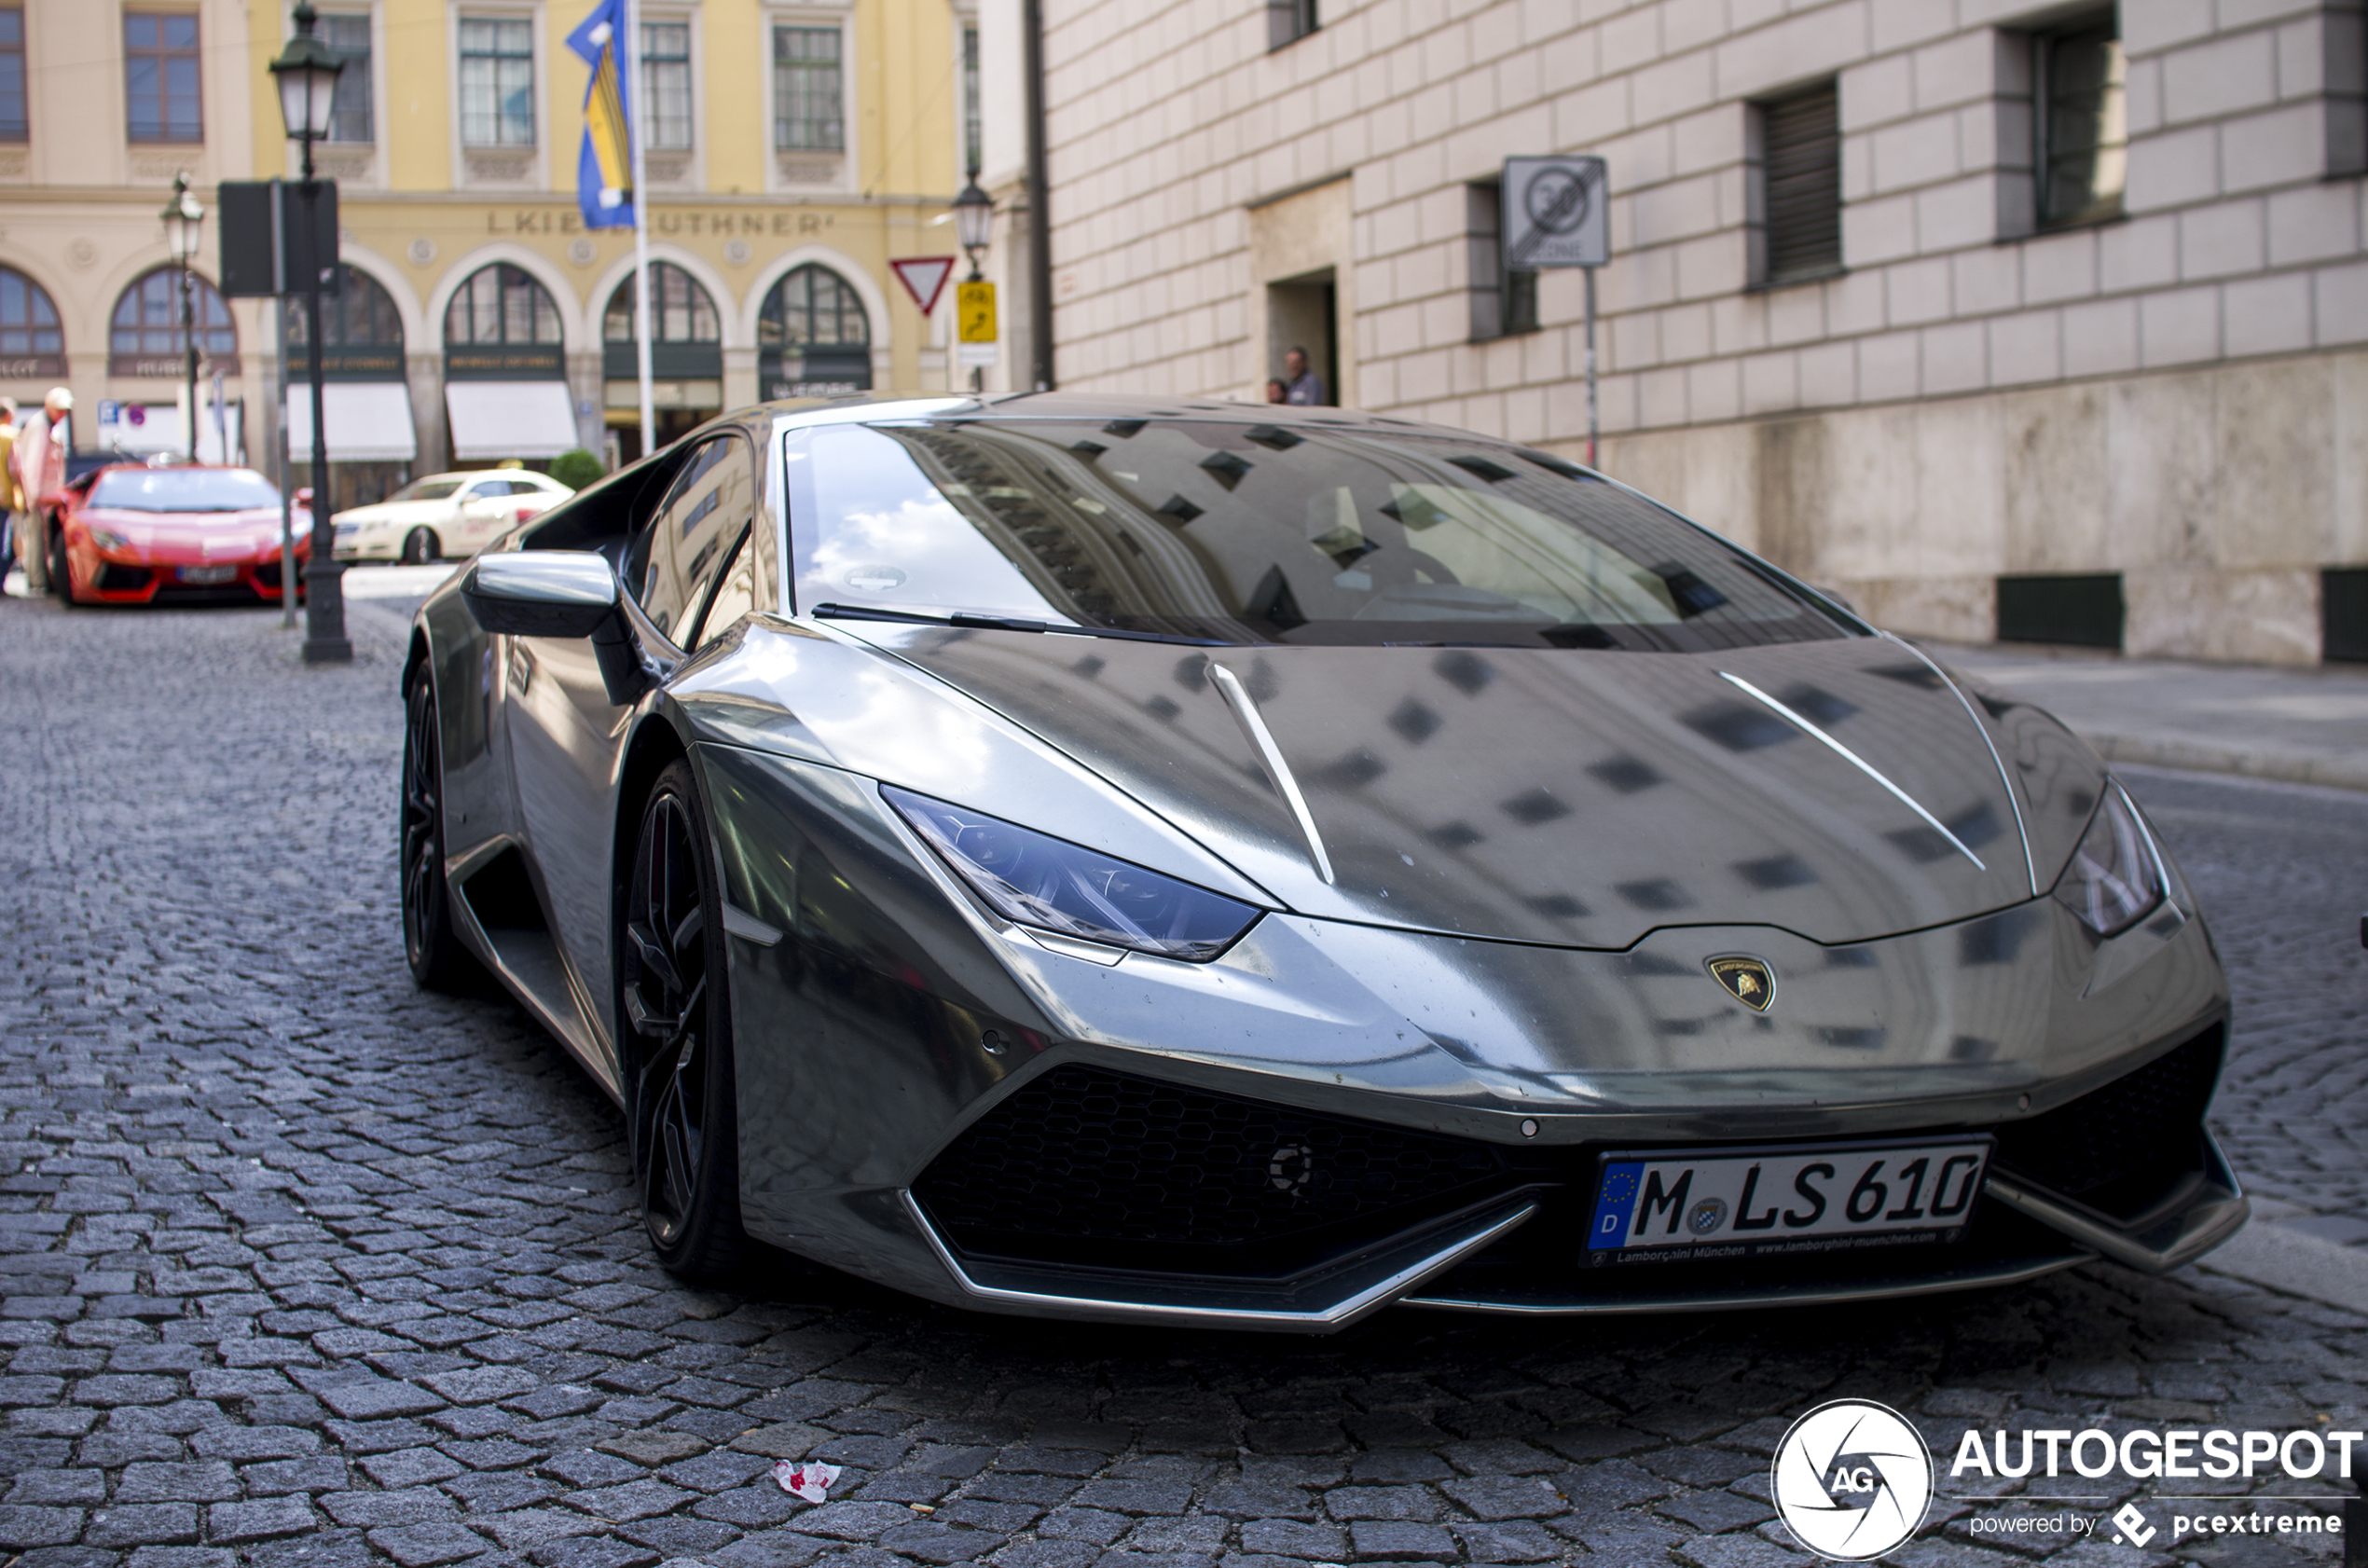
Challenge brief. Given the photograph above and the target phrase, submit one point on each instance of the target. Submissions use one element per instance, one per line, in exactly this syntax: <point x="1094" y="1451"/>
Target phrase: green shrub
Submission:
<point x="576" y="469"/>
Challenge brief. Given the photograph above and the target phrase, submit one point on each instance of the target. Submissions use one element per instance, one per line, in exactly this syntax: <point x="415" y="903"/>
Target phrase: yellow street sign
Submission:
<point x="974" y="309"/>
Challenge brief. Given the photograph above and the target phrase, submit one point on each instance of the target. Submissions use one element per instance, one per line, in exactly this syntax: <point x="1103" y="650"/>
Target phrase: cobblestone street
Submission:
<point x="301" y="1266"/>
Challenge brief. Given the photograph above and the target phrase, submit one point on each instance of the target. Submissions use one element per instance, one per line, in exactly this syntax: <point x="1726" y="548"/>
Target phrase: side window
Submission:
<point x="677" y="555"/>
<point x="485" y="489"/>
<point x="735" y="596"/>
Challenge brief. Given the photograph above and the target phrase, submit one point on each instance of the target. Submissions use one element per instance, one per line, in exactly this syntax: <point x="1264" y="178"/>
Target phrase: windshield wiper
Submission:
<point x="1003" y="622"/>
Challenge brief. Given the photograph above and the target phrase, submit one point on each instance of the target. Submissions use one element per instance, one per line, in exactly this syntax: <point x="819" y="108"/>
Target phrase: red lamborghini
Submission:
<point x="129" y="534"/>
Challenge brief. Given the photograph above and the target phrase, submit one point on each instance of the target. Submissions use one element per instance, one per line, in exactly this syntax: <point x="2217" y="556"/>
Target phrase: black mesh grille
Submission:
<point x="1092" y="1167"/>
<point x="114" y="579"/>
<point x="2118" y="1146"/>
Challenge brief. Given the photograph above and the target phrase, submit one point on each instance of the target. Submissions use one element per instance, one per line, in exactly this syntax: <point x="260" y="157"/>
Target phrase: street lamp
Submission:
<point x="307" y="71"/>
<point x="183" y="226"/>
<point x="973" y="221"/>
<point x="973" y="224"/>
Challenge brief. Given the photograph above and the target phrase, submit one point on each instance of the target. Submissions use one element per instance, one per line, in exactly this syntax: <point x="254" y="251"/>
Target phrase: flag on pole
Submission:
<point x="604" y="169"/>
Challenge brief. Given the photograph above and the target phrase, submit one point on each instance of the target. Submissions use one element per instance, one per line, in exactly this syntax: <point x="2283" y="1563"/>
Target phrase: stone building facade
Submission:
<point x="2043" y="318"/>
<point x="796" y="148"/>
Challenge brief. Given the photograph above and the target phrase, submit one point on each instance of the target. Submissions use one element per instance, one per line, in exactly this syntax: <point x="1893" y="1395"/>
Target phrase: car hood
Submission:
<point x="387" y="512"/>
<point x="1571" y="798"/>
<point x="168" y="530"/>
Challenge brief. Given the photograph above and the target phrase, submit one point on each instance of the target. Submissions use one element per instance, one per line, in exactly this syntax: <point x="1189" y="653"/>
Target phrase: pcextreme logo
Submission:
<point x="1853" y="1479"/>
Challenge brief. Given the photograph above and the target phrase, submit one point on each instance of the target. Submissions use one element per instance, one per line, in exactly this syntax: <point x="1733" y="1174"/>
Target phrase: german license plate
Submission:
<point x="1674" y="1205"/>
<point x="202" y="574"/>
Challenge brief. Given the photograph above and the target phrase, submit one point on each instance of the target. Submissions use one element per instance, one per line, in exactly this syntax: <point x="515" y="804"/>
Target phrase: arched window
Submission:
<point x="361" y="332"/>
<point x="145" y="336"/>
<point x="502" y="324"/>
<point x="686" y="340"/>
<point x="813" y="337"/>
<point x="500" y="304"/>
<point x="31" y="343"/>
<point x="680" y="309"/>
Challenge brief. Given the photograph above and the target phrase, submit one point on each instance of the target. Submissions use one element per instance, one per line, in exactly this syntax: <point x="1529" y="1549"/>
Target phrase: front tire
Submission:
<point x="61" y="572"/>
<point x="421" y="546"/>
<point x="429" y="944"/>
<point x="677" y="1010"/>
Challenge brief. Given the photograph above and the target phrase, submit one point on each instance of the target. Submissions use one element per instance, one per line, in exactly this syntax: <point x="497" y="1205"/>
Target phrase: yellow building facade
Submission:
<point x="795" y="150"/>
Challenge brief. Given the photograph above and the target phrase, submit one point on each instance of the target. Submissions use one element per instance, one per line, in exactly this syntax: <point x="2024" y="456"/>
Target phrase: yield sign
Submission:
<point x="924" y="278"/>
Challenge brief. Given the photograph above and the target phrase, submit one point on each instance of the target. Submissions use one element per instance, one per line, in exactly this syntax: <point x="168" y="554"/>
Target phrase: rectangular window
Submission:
<point x="973" y="149"/>
<point x="808" y="101"/>
<point x="2344" y="615"/>
<point x="497" y="82"/>
<point x="2344" y="47"/>
<point x="160" y="77"/>
<point x="14" y="123"/>
<point x="350" y="116"/>
<point x="1288" y="20"/>
<point x="666" y="79"/>
<point x="1504" y="302"/>
<point x="2080" y="610"/>
<point x="1799" y="199"/>
<point x="2082" y="124"/>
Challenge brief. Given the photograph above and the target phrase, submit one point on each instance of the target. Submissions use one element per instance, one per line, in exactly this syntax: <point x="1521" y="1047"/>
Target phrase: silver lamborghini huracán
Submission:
<point x="1238" y="866"/>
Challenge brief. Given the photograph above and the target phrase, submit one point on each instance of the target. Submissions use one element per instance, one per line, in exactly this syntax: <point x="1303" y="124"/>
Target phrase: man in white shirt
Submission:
<point x="39" y="459"/>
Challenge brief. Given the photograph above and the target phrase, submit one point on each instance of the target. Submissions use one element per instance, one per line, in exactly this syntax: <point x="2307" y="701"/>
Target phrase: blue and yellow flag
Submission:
<point x="604" y="170"/>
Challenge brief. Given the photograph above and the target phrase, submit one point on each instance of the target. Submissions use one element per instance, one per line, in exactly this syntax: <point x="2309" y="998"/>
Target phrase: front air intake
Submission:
<point x="1087" y="1167"/>
<point x="2118" y="1148"/>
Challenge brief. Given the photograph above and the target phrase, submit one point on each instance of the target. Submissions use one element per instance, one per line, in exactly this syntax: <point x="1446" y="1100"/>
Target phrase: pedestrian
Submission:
<point x="38" y="458"/>
<point x="1277" y="393"/>
<point x="1304" y="388"/>
<point x="7" y="483"/>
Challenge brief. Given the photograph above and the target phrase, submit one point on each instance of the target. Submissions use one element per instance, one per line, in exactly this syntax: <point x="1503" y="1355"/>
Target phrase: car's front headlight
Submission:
<point x="107" y="539"/>
<point x="2115" y="879"/>
<point x="1034" y="879"/>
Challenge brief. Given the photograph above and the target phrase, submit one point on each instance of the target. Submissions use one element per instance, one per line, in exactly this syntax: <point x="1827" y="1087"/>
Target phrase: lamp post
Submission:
<point x="307" y="71"/>
<point x="183" y="226"/>
<point x="973" y="225"/>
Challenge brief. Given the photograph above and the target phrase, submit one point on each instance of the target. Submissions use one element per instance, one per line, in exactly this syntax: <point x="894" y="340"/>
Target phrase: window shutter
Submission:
<point x="1802" y="139"/>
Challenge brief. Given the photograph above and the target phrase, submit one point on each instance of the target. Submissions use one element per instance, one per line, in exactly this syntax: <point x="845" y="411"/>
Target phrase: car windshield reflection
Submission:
<point x="1238" y="533"/>
<point x="183" y="490"/>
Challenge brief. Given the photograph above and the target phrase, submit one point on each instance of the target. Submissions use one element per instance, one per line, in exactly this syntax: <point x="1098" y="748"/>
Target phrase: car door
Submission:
<point x="565" y="733"/>
<point x="483" y="512"/>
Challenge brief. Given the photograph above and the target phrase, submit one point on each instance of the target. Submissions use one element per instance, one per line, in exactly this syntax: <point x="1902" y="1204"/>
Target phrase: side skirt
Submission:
<point x="528" y="963"/>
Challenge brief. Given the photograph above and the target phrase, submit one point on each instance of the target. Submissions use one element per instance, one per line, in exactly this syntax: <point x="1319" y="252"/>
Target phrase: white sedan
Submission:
<point x="444" y="515"/>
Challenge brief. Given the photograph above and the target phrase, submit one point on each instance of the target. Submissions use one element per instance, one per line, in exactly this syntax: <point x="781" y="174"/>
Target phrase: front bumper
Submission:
<point x="886" y="1015"/>
<point x="125" y="579"/>
<point x="372" y="545"/>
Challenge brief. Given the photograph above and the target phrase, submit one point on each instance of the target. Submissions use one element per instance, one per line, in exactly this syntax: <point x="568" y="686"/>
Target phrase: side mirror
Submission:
<point x="541" y="593"/>
<point x="559" y="593"/>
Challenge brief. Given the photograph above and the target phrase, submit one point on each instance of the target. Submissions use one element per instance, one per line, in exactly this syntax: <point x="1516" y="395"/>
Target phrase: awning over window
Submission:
<point x="369" y="422"/>
<point x="511" y="419"/>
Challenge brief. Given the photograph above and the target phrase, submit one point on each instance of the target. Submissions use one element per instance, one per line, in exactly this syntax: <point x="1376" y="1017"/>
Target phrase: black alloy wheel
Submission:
<point x="678" y="1062"/>
<point x="421" y="546"/>
<point x="438" y="962"/>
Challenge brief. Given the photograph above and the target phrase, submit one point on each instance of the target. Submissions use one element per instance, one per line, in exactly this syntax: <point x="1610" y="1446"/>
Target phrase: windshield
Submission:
<point x="183" y="490"/>
<point x="1265" y="534"/>
<point x="426" y="489"/>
